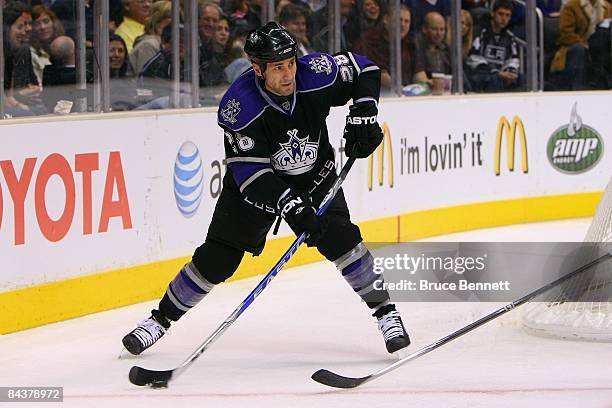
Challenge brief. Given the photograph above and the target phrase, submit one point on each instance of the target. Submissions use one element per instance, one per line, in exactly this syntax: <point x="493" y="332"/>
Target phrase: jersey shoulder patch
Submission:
<point x="242" y="103"/>
<point x="316" y="71"/>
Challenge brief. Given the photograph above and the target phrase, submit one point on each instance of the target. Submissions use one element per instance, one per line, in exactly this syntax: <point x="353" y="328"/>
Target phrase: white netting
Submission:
<point x="588" y="315"/>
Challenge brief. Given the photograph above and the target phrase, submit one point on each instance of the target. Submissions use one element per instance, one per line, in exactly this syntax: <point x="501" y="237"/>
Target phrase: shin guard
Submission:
<point x="357" y="268"/>
<point x="185" y="291"/>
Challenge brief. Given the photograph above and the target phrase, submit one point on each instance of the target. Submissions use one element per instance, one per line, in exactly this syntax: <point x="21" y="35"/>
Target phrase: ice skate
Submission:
<point x="148" y="332"/>
<point x="392" y="328"/>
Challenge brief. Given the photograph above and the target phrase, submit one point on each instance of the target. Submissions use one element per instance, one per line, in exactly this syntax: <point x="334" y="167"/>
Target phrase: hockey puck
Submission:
<point x="159" y="384"/>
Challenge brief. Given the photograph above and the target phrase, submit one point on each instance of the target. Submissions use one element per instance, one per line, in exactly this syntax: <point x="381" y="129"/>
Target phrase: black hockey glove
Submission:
<point x="296" y="208"/>
<point x="362" y="132"/>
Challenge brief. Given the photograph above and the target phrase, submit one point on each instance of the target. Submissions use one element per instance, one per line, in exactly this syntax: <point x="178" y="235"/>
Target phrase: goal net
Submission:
<point x="581" y="308"/>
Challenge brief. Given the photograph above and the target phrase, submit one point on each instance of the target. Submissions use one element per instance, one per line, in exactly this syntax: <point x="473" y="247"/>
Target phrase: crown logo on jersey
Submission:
<point x="321" y="65"/>
<point x="297" y="156"/>
<point x="230" y="111"/>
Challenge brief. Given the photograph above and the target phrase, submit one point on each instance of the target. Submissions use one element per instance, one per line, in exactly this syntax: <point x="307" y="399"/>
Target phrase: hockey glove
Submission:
<point x="296" y="208"/>
<point x="362" y="132"/>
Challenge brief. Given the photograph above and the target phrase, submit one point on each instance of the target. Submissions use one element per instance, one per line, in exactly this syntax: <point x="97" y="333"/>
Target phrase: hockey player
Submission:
<point x="280" y="162"/>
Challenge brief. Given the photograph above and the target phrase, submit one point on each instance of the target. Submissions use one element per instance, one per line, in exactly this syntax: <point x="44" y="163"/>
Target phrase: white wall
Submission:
<point x="146" y="225"/>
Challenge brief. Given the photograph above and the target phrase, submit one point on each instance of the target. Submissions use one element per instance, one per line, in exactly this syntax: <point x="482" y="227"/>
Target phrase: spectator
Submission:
<point x="246" y="10"/>
<point x="493" y="64"/>
<point x="157" y="72"/>
<point x="374" y="44"/>
<point x="46" y="27"/>
<point x="120" y="66"/>
<point x="211" y="67"/>
<point x="371" y="13"/>
<point x="293" y="18"/>
<point x="578" y="21"/>
<point x="280" y="4"/>
<point x="149" y="43"/>
<point x="237" y="61"/>
<point x="472" y="4"/>
<point x="209" y="16"/>
<point x="238" y="31"/>
<point x="66" y="12"/>
<point x="221" y="40"/>
<point x="475" y="6"/>
<point x="350" y="27"/>
<point x="240" y="63"/>
<point x="421" y="8"/>
<point x="135" y="15"/>
<point x="20" y="83"/>
<point x="467" y="33"/>
<point x="480" y="12"/>
<point x="549" y="8"/>
<point x="431" y="47"/>
<point x="59" y="78"/>
<point x="122" y="86"/>
<point x="600" y="44"/>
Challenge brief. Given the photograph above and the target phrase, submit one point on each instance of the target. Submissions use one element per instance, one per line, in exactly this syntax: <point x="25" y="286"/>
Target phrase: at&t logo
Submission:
<point x="188" y="179"/>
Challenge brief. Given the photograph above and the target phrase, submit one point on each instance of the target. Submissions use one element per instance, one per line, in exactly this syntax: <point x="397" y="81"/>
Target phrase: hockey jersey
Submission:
<point x="272" y="147"/>
<point x="494" y="52"/>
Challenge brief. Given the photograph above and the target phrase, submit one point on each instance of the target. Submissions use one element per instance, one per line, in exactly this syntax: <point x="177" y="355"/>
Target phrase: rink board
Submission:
<point x="90" y="219"/>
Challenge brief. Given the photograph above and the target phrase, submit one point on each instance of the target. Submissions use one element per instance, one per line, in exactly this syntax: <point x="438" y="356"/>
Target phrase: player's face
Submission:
<point x="279" y="76"/>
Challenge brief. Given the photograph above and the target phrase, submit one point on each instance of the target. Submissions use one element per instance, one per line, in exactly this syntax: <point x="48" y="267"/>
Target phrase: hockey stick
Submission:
<point x="331" y="379"/>
<point x="159" y="378"/>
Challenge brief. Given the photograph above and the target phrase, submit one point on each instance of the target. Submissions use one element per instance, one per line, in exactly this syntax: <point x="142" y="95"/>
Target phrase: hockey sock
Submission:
<point x="357" y="268"/>
<point x="185" y="291"/>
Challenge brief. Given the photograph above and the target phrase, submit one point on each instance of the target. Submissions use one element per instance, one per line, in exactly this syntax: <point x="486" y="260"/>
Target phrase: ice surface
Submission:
<point x="307" y="319"/>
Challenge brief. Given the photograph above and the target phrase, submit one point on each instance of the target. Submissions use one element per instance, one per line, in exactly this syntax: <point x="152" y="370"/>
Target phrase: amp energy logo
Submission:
<point x="188" y="179"/>
<point x="575" y="147"/>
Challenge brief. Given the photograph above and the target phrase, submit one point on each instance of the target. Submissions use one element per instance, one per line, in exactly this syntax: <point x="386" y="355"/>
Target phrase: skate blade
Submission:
<point x="124" y="354"/>
<point x="401" y="353"/>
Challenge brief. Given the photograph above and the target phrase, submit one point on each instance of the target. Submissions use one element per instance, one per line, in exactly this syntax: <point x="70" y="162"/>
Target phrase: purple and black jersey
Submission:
<point x="272" y="146"/>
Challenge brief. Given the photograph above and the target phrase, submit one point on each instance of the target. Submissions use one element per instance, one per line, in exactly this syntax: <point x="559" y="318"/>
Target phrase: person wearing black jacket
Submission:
<point x="59" y="78"/>
<point x="156" y="75"/>
<point x="493" y="64"/>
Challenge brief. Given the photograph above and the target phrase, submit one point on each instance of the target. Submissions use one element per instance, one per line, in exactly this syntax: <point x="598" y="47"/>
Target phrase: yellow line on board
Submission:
<point x="42" y="304"/>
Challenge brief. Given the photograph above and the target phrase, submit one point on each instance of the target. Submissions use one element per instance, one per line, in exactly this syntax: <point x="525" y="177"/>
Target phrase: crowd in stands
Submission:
<point x="39" y="46"/>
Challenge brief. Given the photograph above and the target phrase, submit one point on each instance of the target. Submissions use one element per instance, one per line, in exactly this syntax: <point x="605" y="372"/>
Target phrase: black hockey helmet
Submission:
<point x="270" y="43"/>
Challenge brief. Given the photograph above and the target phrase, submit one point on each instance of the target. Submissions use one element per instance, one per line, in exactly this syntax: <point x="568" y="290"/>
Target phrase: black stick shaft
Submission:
<point x="338" y="381"/>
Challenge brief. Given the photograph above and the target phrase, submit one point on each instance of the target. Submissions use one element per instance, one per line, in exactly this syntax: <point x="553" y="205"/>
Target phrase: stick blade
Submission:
<point x="155" y="379"/>
<point x="328" y="378"/>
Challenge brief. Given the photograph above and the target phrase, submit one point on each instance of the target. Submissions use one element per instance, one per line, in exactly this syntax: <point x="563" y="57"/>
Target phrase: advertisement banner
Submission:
<point x="85" y="196"/>
<point x="73" y="199"/>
